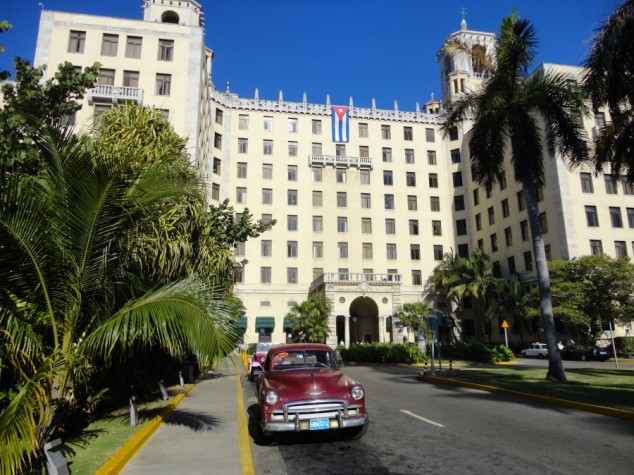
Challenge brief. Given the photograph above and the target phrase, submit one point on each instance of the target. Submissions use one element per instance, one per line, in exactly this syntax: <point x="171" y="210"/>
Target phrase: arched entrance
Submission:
<point x="364" y="320"/>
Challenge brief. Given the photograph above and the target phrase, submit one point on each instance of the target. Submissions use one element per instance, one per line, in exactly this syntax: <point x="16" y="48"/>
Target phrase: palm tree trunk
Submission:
<point x="555" y="366"/>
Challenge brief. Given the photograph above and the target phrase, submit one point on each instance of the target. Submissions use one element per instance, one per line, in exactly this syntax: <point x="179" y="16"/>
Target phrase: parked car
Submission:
<point x="257" y="358"/>
<point x="585" y="353"/>
<point x="536" y="349"/>
<point x="303" y="388"/>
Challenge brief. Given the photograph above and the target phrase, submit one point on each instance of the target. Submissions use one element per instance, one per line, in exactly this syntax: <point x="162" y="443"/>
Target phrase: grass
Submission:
<point x="608" y="387"/>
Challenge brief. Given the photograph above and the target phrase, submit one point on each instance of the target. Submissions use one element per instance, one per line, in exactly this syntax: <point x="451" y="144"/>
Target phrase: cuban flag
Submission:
<point x="340" y="124"/>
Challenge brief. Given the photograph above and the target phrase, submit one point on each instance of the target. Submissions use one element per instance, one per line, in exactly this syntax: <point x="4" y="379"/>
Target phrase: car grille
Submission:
<point x="303" y="410"/>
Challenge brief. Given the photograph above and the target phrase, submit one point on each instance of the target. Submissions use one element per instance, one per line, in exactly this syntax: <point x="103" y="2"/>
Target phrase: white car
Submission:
<point x="536" y="349"/>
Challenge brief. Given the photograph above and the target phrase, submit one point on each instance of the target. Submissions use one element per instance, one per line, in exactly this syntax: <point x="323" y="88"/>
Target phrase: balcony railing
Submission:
<point x="343" y="278"/>
<point x="337" y="160"/>
<point x="114" y="94"/>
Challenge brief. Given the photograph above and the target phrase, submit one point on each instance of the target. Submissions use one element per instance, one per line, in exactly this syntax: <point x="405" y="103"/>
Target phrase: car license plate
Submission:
<point x="319" y="424"/>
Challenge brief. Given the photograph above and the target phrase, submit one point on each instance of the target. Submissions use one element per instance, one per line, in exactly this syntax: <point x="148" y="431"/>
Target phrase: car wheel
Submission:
<point x="523" y="354"/>
<point x="355" y="433"/>
<point x="584" y="358"/>
<point x="540" y="355"/>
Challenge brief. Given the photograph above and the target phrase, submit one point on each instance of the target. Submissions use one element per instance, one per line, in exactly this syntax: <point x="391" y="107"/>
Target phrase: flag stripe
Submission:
<point x="340" y="123"/>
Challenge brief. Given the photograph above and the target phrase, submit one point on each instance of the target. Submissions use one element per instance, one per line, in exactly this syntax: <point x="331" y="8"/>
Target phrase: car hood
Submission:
<point x="311" y="383"/>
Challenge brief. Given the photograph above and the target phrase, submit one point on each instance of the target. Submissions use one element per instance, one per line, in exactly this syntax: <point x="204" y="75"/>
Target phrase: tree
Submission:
<point x="609" y="80"/>
<point x="69" y="299"/>
<point x="308" y="320"/>
<point x="412" y="315"/>
<point x="508" y="301"/>
<point x="506" y="112"/>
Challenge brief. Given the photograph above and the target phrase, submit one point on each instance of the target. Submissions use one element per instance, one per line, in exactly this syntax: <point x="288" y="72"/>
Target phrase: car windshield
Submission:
<point x="303" y="358"/>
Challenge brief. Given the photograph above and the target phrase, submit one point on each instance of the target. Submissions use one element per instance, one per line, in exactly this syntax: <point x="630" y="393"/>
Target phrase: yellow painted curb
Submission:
<point x="246" y="457"/>
<point x="605" y="411"/>
<point x="116" y="463"/>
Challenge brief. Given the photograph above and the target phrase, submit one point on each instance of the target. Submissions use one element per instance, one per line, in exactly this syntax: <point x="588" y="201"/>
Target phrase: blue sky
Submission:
<point x="382" y="49"/>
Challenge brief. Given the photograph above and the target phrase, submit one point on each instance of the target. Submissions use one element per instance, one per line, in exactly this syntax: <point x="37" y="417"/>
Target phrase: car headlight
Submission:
<point x="357" y="393"/>
<point x="271" y="398"/>
<point x="262" y="358"/>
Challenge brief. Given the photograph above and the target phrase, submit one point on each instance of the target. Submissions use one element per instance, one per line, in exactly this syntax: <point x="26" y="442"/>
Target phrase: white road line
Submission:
<point x="422" y="418"/>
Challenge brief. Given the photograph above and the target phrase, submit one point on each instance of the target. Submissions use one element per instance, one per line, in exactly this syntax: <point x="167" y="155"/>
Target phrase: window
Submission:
<point x="267" y="171"/>
<point x="364" y="151"/>
<point x="291" y="248"/>
<point x="99" y="109"/>
<point x="387" y="178"/>
<point x="365" y="201"/>
<point x="457" y="179"/>
<point x="217" y="140"/>
<point x="316" y="148"/>
<point x="430" y="136"/>
<point x="316" y="126"/>
<point x="267" y="218"/>
<point x="417" y="277"/>
<point x="385" y="132"/>
<point x="106" y="77"/>
<point x="431" y="157"/>
<point x="628" y="188"/>
<point x="478" y="222"/>
<point x="433" y="180"/>
<point x="266" y="248"/>
<point x="543" y="222"/>
<point x="524" y="230"/>
<point x="342" y="199"/>
<point x="438" y="252"/>
<point x="410" y="178"/>
<point x="412" y="203"/>
<point x="133" y="46"/>
<point x="599" y="119"/>
<point x="434" y="202"/>
<point x="620" y="249"/>
<point x="343" y="250"/>
<point x="630" y="217"/>
<point x="511" y="264"/>
<point x="163" y="84"/>
<point x="241" y="195"/>
<point x="342" y="224"/>
<point x="366" y="225"/>
<point x="317" y="272"/>
<point x="318" y="224"/>
<point x="239" y="248"/>
<point x="521" y="200"/>
<point x="292" y="149"/>
<point x="265" y="275"/>
<point x="413" y="227"/>
<point x="387" y="154"/>
<point x="458" y="202"/>
<point x="508" y="237"/>
<point x="316" y="173"/>
<point x="408" y="134"/>
<point x="243" y="122"/>
<point x="480" y="245"/>
<point x="596" y="247"/>
<point x="615" y="217"/>
<point x="215" y="191"/>
<point x="130" y="79"/>
<point x="455" y="156"/>
<point x="318" y="198"/>
<point x="453" y="133"/>
<point x="414" y="252"/>
<point x="610" y="184"/>
<point x="216" y="167"/>
<point x="291" y="222"/>
<point x="363" y="129"/>
<point x="528" y="261"/>
<point x="364" y="176"/>
<point x="76" y="41"/>
<point x="291" y="197"/>
<point x="291" y="275"/>
<point x="243" y="145"/>
<point x="476" y="197"/>
<point x="502" y="180"/>
<point x="267" y="147"/>
<point x="340" y="150"/>
<point x="268" y="123"/>
<point x="318" y="249"/>
<point x="591" y="216"/>
<point x="461" y="227"/>
<point x="109" y="44"/>
<point x="341" y="175"/>
<point x="242" y="170"/>
<point x="267" y="196"/>
<point x="367" y="250"/>
<point x="505" y="208"/>
<point x="494" y="242"/>
<point x="409" y="156"/>
<point x="436" y="228"/>
<point x="291" y="172"/>
<point x="390" y="226"/>
<point x="586" y="183"/>
<point x="491" y="213"/>
<point x="166" y="50"/>
<point x="292" y="125"/>
<point x="389" y="201"/>
<point x="390" y="251"/>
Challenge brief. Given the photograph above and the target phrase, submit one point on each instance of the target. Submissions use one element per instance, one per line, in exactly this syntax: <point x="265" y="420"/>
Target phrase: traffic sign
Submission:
<point x="505" y="324"/>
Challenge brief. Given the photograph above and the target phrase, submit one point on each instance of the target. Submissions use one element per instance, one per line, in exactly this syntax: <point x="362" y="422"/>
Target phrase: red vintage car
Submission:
<point x="304" y="389"/>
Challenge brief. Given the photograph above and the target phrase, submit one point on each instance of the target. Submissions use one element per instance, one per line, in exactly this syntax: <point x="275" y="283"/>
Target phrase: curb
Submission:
<point x="244" y="440"/>
<point x="116" y="463"/>
<point x="605" y="411"/>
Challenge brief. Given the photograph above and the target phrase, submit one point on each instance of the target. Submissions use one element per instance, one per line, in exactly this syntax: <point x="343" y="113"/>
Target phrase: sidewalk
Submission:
<point x="205" y="433"/>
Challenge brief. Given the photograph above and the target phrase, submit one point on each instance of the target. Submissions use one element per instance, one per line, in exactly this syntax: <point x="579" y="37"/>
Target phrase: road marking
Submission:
<point x="422" y="418"/>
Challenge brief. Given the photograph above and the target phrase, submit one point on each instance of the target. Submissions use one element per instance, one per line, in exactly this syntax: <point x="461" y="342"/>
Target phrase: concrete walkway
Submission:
<point x="204" y="434"/>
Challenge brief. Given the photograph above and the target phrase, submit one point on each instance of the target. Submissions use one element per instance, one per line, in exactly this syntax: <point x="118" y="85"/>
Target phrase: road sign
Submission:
<point x="505" y="324"/>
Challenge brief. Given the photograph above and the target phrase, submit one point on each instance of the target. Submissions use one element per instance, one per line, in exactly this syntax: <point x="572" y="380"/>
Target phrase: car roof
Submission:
<point x="302" y="346"/>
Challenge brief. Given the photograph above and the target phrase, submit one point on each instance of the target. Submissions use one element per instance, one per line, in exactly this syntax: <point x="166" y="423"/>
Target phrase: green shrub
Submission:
<point x="624" y="344"/>
<point x="485" y="353"/>
<point x="383" y="353"/>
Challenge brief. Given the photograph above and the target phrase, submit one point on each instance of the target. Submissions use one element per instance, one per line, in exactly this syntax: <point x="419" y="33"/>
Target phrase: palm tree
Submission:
<point x="69" y="298"/>
<point x="609" y="80"/>
<point x="413" y="314"/>
<point x="309" y="320"/>
<point x="506" y="112"/>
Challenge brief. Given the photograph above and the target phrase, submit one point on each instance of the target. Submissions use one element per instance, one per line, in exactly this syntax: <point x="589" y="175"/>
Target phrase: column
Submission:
<point x="346" y="326"/>
<point x="381" y="328"/>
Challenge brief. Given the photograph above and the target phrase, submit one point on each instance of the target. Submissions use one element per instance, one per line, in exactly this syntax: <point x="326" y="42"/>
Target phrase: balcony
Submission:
<point x="338" y="161"/>
<point x="366" y="281"/>
<point x="114" y="94"/>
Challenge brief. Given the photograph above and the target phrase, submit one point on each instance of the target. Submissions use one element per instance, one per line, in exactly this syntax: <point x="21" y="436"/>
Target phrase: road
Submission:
<point x="419" y="427"/>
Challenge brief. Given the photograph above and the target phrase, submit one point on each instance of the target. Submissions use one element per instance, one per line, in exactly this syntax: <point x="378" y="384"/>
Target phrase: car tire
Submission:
<point x="540" y="355"/>
<point x="251" y="376"/>
<point x="524" y="354"/>
<point x="584" y="358"/>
